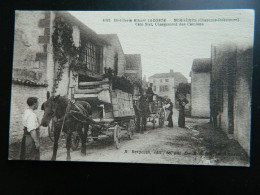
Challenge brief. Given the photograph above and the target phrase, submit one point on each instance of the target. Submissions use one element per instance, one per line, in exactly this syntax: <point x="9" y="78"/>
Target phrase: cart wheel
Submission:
<point x="153" y="122"/>
<point x="74" y="140"/>
<point x="131" y="128"/>
<point x="162" y="118"/>
<point x="117" y="137"/>
<point x="51" y="130"/>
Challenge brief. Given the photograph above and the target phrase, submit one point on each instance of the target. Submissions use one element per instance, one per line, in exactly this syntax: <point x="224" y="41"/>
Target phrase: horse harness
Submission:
<point x="80" y="110"/>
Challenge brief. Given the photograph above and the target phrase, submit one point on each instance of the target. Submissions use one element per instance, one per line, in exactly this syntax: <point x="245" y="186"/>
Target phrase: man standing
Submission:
<point x="137" y="115"/>
<point x="143" y="108"/>
<point x="181" y="119"/>
<point x="31" y="142"/>
<point x="150" y="94"/>
<point x="169" y="112"/>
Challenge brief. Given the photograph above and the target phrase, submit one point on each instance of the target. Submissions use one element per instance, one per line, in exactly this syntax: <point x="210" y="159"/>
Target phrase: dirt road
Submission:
<point x="199" y="146"/>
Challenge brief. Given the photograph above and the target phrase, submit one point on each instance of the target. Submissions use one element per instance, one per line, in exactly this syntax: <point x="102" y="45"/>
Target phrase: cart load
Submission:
<point x="97" y="91"/>
<point x="113" y="109"/>
<point x="122" y="103"/>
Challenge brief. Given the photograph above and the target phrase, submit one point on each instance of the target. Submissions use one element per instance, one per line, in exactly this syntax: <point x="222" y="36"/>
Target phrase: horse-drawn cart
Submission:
<point x="156" y="111"/>
<point x="112" y="111"/>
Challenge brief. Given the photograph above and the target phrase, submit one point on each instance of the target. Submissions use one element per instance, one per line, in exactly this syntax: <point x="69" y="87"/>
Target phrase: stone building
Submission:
<point x="165" y="84"/>
<point x="200" y="87"/>
<point x="37" y="59"/>
<point x="231" y="78"/>
<point x="30" y="68"/>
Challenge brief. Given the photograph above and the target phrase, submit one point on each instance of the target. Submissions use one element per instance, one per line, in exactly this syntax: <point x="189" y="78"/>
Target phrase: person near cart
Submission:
<point x="137" y="115"/>
<point x="143" y="107"/>
<point x="169" y="112"/>
<point x="181" y="119"/>
<point x="150" y="94"/>
<point x="30" y="148"/>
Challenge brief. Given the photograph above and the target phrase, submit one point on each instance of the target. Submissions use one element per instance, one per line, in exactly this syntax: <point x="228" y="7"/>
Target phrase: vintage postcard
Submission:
<point x="164" y="87"/>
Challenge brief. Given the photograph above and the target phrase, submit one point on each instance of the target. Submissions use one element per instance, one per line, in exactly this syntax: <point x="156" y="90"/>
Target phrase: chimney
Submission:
<point x="171" y="70"/>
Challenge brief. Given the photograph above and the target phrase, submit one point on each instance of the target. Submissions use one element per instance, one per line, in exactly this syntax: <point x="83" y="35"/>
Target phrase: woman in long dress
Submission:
<point x="30" y="142"/>
<point x="169" y="112"/>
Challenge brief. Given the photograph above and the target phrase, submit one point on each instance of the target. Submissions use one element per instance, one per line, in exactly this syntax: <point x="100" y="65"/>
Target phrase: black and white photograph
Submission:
<point x="153" y="87"/>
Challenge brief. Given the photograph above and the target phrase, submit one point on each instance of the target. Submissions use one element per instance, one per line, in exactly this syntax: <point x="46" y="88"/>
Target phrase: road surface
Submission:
<point x="192" y="145"/>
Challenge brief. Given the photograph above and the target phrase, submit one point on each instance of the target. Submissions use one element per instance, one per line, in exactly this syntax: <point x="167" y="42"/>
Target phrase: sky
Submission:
<point x="171" y="47"/>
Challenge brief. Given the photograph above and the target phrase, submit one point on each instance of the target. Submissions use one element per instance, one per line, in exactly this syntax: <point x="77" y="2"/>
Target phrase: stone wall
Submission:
<point x="232" y="66"/>
<point x="29" y="46"/>
<point x="32" y="38"/>
<point x="242" y="100"/>
<point x="19" y="96"/>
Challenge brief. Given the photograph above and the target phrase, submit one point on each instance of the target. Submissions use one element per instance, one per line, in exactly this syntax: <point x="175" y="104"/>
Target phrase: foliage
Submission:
<point x="183" y="88"/>
<point x="65" y="51"/>
<point x="121" y="83"/>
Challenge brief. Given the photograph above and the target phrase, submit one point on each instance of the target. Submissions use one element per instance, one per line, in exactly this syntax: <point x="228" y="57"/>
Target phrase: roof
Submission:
<point x="165" y="75"/>
<point x="109" y="37"/>
<point x="85" y="30"/>
<point x="201" y="65"/>
<point x="133" y="61"/>
<point x="29" y="82"/>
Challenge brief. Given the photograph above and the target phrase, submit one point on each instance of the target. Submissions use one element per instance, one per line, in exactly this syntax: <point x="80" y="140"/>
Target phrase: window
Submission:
<point x="154" y="81"/>
<point x="166" y="80"/>
<point x="91" y="57"/>
<point x="161" y="80"/>
<point x="154" y="88"/>
<point x="164" y="88"/>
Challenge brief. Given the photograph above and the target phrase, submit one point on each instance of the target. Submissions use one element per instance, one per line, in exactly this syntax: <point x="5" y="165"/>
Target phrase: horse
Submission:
<point x="68" y="117"/>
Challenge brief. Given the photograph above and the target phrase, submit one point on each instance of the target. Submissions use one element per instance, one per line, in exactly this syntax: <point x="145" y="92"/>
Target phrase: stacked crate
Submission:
<point x="122" y="104"/>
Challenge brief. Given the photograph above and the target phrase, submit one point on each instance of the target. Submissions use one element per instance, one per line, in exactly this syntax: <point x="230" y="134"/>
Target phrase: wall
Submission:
<point x="19" y="96"/>
<point x="223" y="116"/>
<point x="200" y="91"/>
<point x="242" y="101"/>
<point x="133" y="66"/>
<point x="50" y="61"/>
<point x="67" y="80"/>
<point x="27" y="45"/>
<point x="29" y="63"/>
<point x="232" y="65"/>
<point x="110" y="52"/>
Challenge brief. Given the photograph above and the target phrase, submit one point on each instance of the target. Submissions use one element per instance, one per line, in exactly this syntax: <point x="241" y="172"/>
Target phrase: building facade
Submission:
<point x="200" y="87"/>
<point x="39" y="64"/>
<point x="113" y="54"/>
<point x="133" y="67"/>
<point x="164" y="84"/>
<point x="231" y="78"/>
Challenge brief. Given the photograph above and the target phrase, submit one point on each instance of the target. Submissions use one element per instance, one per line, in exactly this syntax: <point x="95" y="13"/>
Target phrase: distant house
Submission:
<point x="231" y="91"/>
<point x="200" y="87"/>
<point x="164" y="84"/>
